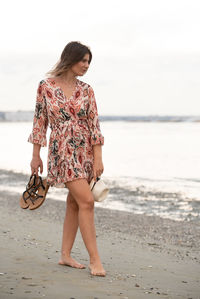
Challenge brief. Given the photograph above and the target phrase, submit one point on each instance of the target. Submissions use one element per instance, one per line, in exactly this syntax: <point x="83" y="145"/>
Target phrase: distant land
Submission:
<point x="17" y="116"/>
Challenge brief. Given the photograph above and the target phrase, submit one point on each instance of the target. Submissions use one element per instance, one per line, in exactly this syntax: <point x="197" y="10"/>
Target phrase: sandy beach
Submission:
<point x="144" y="256"/>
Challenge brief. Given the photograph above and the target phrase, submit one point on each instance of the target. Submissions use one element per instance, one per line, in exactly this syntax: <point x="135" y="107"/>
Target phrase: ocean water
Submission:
<point x="150" y="167"/>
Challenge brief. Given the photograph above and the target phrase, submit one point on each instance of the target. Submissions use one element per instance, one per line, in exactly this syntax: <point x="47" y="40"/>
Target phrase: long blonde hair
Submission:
<point x="72" y="53"/>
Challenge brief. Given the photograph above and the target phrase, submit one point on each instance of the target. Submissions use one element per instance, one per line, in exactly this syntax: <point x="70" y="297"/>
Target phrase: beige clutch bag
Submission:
<point x="99" y="189"/>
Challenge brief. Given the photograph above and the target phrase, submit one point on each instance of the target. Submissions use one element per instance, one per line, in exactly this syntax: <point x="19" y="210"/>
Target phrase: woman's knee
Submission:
<point x="87" y="203"/>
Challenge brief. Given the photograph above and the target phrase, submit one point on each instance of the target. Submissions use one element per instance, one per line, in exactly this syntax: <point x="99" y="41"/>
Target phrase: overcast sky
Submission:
<point x="146" y="54"/>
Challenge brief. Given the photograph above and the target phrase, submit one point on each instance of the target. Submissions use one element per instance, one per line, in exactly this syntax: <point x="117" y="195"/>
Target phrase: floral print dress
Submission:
<point x="74" y="127"/>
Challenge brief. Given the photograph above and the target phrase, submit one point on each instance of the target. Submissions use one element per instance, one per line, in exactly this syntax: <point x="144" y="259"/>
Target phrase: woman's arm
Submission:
<point x="98" y="167"/>
<point x="40" y="119"/>
<point x="97" y="151"/>
<point x="36" y="161"/>
<point x="36" y="150"/>
<point x="39" y="130"/>
<point x="96" y="137"/>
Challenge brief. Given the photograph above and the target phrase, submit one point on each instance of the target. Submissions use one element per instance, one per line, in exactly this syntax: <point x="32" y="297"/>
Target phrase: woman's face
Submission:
<point x="81" y="67"/>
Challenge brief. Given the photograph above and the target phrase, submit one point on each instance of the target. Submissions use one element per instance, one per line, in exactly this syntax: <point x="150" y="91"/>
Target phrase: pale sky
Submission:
<point x="146" y="54"/>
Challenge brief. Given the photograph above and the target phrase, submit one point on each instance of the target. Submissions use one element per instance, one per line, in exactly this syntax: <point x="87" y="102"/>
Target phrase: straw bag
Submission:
<point x="99" y="189"/>
<point x="35" y="193"/>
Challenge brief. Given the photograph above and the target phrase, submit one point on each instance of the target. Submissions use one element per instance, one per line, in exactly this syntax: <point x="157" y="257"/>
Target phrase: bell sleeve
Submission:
<point x="96" y="136"/>
<point x="40" y="119"/>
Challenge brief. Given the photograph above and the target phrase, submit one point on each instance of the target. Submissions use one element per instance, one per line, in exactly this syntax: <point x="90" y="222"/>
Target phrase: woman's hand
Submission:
<point x="35" y="164"/>
<point x="98" y="168"/>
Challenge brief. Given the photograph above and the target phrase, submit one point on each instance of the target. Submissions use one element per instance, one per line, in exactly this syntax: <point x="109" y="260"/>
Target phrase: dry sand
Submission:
<point x="144" y="256"/>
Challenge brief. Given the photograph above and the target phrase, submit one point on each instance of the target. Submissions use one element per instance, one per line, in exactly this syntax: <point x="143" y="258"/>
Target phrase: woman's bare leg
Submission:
<point x="70" y="228"/>
<point x="81" y="192"/>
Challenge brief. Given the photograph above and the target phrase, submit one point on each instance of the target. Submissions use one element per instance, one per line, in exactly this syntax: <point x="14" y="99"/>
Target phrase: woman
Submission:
<point x="68" y="105"/>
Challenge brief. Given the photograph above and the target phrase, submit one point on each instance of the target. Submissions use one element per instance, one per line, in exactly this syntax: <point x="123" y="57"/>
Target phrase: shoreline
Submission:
<point x="144" y="256"/>
<point x="15" y="181"/>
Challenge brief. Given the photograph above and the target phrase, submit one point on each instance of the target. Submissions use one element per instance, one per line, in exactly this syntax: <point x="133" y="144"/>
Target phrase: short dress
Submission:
<point x="75" y="128"/>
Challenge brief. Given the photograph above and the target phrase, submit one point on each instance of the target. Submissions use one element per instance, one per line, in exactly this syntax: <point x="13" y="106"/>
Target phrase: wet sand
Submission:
<point x="144" y="256"/>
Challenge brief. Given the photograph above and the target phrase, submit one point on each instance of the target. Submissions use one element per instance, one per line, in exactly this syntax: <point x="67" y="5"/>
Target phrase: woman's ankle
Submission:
<point x="65" y="253"/>
<point x="95" y="259"/>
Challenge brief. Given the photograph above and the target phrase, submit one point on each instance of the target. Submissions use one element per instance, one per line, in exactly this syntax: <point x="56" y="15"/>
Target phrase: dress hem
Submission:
<point x="62" y="184"/>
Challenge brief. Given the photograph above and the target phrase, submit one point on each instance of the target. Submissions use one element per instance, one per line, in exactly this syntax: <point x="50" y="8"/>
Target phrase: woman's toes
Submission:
<point x="101" y="273"/>
<point x="97" y="271"/>
<point x="81" y="266"/>
<point x="71" y="263"/>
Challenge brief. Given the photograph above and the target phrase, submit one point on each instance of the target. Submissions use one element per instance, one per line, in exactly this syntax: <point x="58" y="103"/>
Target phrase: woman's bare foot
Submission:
<point x="69" y="261"/>
<point x="97" y="269"/>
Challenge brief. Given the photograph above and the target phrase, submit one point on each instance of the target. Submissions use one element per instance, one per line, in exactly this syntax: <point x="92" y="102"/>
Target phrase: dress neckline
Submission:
<point x="60" y="88"/>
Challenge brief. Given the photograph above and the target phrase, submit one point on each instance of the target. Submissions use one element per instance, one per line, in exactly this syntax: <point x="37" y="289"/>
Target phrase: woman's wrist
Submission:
<point x="36" y="150"/>
<point x="36" y="156"/>
<point x="97" y="151"/>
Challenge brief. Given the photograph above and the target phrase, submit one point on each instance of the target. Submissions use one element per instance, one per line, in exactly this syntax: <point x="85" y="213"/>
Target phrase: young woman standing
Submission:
<point x="68" y="106"/>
